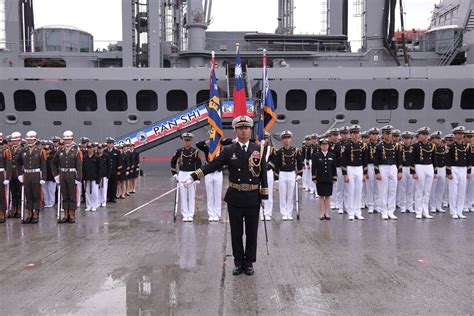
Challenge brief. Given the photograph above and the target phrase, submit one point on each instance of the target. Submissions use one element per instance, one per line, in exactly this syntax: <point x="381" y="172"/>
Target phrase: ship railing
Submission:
<point x="63" y="46"/>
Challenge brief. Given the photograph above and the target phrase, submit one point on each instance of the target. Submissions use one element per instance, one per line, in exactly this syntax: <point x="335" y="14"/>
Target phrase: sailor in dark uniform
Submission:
<point x="114" y="155"/>
<point x="5" y="176"/>
<point x="247" y="187"/>
<point x="188" y="160"/>
<point x="388" y="171"/>
<point x="354" y="168"/>
<point x="458" y="169"/>
<point x="135" y="156"/>
<point x="371" y="188"/>
<point x="289" y="169"/>
<point x="406" y="186"/>
<point x="341" y="187"/>
<point x="439" y="181"/>
<point x="422" y="170"/>
<point x="91" y="178"/>
<point x="15" y="184"/>
<point x="306" y="163"/>
<point x="324" y="174"/>
<point x="313" y="149"/>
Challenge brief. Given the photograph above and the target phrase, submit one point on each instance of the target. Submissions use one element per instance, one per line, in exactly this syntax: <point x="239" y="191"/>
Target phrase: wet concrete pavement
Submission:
<point x="144" y="264"/>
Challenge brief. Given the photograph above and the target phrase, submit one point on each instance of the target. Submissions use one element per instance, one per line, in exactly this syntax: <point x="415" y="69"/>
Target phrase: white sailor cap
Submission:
<point x="374" y="130"/>
<point x="242" y="121"/>
<point x="187" y="136"/>
<point x="387" y="129"/>
<point x="424" y="130"/>
<point x="266" y="135"/>
<point x="307" y="137"/>
<point x="396" y="132"/>
<point x="459" y="130"/>
<point x="286" y="133"/>
<point x="407" y="134"/>
<point x="436" y="134"/>
<point x="354" y="128"/>
<point x="449" y="136"/>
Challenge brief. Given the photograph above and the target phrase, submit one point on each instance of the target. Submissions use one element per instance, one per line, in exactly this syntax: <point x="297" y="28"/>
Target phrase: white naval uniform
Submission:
<point x="286" y="186"/>
<point x="92" y="194"/>
<point x="354" y="190"/>
<point x="437" y="190"/>
<point x="372" y="190"/>
<point x="187" y="195"/>
<point x="213" y="183"/>
<point x="388" y="189"/>
<point x="103" y="186"/>
<point x="457" y="190"/>
<point x="423" y="185"/>
<point x="406" y="191"/>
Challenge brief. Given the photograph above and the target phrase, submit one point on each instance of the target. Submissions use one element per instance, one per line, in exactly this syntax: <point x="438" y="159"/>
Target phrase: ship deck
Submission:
<point x="144" y="264"/>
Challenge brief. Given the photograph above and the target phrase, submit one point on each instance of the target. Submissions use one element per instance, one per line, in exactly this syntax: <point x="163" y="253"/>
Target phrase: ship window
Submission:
<point x="147" y="122"/>
<point x="202" y="96"/>
<point x="57" y="123"/>
<point x="274" y="97"/>
<point x="325" y="122"/>
<point x="117" y="122"/>
<point x="2" y="102"/>
<point x="116" y="100"/>
<point x="355" y="100"/>
<point x="147" y="100"/>
<point x="55" y="100"/>
<point x="443" y="99"/>
<point x="295" y="122"/>
<point x="385" y="99"/>
<point x="326" y="100"/>
<point x="86" y="101"/>
<point x="87" y="123"/>
<point x="467" y="99"/>
<point x="176" y="100"/>
<point x="296" y="100"/>
<point x="24" y="100"/>
<point x="414" y="99"/>
<point x="27" y="123"/>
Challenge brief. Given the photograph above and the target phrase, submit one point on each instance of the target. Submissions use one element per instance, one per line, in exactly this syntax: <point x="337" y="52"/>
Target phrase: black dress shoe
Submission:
<point x="237" y="270"/>
<point x="113" y="201"/>
<point x="322" y="218"/>
<point x="249" y="271"/>
<point x="327" y="218"/>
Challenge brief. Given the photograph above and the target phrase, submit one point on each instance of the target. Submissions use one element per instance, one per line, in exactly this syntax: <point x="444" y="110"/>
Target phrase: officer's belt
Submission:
<point x="32" y="170"/>
<point x="243" y="186"/>
<point x="68" y="169"/>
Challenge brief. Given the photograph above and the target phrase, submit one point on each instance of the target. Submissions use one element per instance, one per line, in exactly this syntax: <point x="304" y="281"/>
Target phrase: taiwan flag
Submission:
<point x="240" y="102"/>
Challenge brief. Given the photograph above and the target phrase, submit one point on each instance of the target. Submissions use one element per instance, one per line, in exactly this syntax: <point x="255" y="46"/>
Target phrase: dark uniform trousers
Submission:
<point x="247" y="171"/>
<point x="113" y="164"/>
<point x="69" y="192"/>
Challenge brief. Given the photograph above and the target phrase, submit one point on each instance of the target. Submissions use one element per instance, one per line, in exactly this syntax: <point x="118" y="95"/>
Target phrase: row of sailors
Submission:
<point x="99" y="173"/>
<point x="408" y="170"/>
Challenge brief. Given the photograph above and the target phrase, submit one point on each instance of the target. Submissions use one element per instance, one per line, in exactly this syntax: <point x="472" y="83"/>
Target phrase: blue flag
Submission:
<point x="214" y="117"/>
<point x="267" y="115"/>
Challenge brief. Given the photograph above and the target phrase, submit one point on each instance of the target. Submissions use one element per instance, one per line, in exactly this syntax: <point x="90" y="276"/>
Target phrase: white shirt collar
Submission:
<point x="246" y="144"/>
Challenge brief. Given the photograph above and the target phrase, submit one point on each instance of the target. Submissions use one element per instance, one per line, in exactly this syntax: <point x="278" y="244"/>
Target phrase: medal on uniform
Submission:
<point x="234" y="157"/>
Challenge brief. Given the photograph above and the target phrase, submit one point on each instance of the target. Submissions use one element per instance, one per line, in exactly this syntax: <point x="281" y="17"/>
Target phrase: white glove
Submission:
<point x="276" y="181"/>
<point x="6" y="182"/>
<point x="175" y="176"/>
<point x="42" y="182"/>
<point x="20" y="178"/>
<point x="77" y="182"/>
<point x="298" y="178"/>
<point x="56" y="178"/>
<point x="197" y="181"/>
<point x="188" y="182"/>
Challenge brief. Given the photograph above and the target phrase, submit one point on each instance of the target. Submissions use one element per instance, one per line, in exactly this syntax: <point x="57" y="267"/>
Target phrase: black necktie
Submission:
<point x="244" y="148"/>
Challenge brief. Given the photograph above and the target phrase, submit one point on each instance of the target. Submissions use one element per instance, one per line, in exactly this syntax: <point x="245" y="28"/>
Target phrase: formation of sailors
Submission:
<point x="380" y="170"/>
<point x="33" y="170"/>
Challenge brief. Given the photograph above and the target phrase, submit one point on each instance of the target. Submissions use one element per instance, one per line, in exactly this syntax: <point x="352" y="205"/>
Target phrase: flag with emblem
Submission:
<point x="240" y="102"/>
<point x="268" y="109"/>
<point x="214" y="117"/>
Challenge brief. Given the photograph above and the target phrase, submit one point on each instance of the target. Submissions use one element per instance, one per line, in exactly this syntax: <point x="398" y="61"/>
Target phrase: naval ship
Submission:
<point x="154" y="84"/>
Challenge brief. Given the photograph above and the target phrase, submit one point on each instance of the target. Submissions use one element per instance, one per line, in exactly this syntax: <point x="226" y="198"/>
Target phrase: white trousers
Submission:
<point x="307" y="176"/>
<point x="286" y="185"/>
<point x="186" y="195"/>
<point x="387" y="189"/>
<point x="470" y="191"/>
<point x="213" y="183"/>
<point x="406" y="192"/>
<point x="104" y="184"/>
<point x="268" y="204"/>
<point x="437" y="190"/>
<point x="423" y="185"/>
<point x="79" y="194"/>
<point x="457" y="190"/>
<point x="92" y="194"/>
<point x="371" y="192"/>
<point x="49" y="190"/>
<point x="354" y="189"/>
<point x="338" y="189"/>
